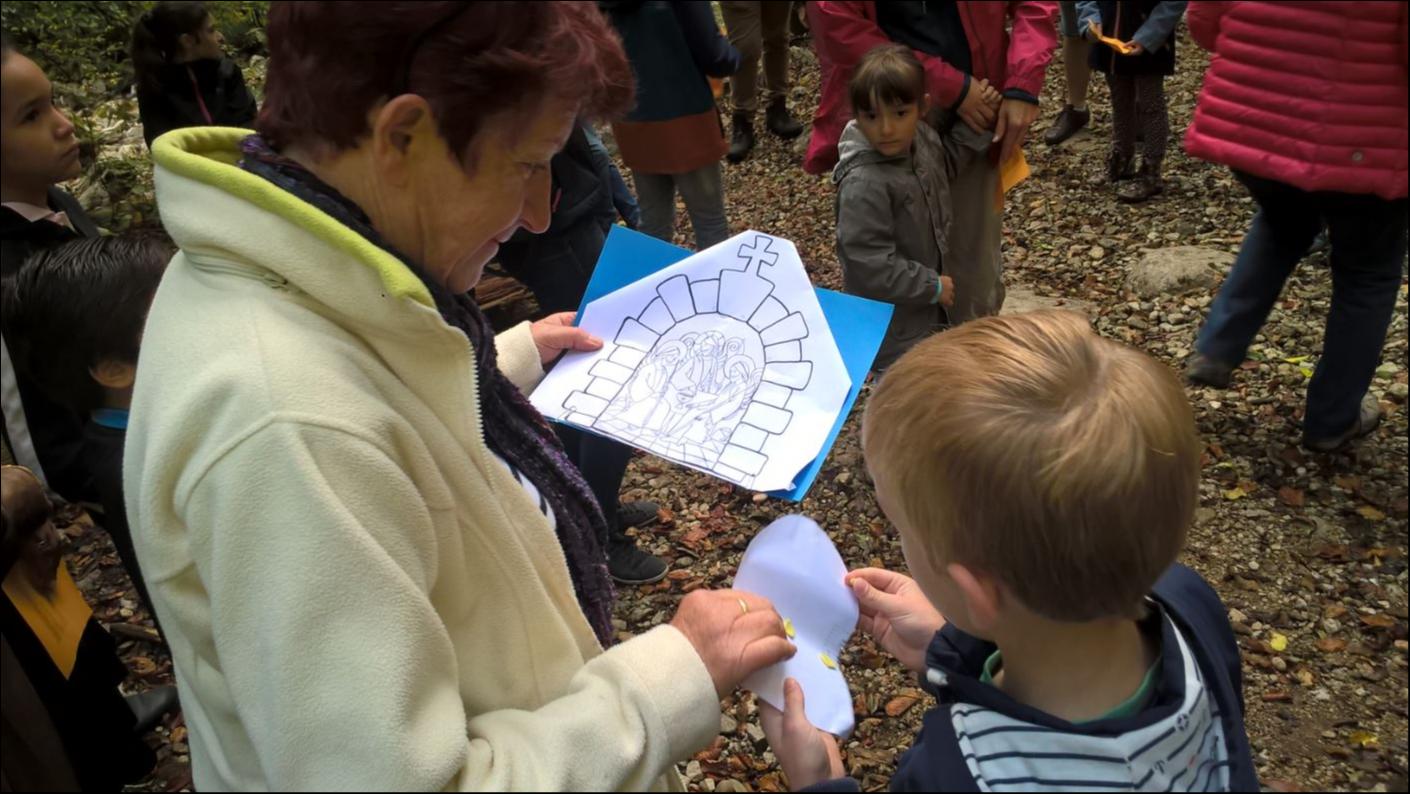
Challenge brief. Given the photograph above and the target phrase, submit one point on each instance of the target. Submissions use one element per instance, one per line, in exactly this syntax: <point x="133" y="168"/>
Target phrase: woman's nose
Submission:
<point x="538" y="210"/>
<point x="65" y="127"/>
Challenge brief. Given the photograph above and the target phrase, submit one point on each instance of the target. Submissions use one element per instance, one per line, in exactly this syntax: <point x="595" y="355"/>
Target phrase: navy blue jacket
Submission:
<point x="1199" y="696"/>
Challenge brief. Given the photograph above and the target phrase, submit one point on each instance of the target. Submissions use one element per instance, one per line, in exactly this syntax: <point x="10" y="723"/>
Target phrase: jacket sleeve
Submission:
<point x="157" y="116"/>
<point x="243" y="108"/>
<point x="342" y="672"/>
<point x="1031" y="45"/>
<point x="1089" y="13"/>
<point x="519" y="358"/>
<point x="1205" y="17"/>
<point x="846" y="33"/>
<point x="866" y="245"/>
<point x="711" y="52"/>
<point x="1156" y="30"/>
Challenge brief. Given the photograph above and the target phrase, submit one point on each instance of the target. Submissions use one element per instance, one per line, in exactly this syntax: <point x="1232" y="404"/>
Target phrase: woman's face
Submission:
<point x="204" y="43"/>
<point x="463" y="216"/>
<point x="38" y="147"/>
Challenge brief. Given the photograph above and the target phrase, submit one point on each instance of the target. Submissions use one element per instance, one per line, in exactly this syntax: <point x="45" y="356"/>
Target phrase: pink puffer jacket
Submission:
<point x="1311" y="93"/>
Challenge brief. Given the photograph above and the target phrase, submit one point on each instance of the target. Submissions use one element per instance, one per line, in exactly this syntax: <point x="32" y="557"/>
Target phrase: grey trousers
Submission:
<point x="703" y="191"/>
<point x="974" y="260"/>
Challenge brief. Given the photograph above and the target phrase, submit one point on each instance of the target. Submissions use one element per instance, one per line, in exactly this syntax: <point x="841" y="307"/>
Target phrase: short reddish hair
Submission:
<point x="331" y="62"/>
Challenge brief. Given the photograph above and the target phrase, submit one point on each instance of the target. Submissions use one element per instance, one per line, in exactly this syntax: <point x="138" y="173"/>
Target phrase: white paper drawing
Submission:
<point x="793" y="563"/>
<point x="722" y="361"/>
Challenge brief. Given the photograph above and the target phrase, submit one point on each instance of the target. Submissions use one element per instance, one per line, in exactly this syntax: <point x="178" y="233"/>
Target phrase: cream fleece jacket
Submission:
<point x="357" y="595"/>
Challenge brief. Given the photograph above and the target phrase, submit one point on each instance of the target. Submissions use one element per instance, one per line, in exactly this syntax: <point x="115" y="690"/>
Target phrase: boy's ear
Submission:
<point x="983" y="597"/>
<point x="112" y="373"/>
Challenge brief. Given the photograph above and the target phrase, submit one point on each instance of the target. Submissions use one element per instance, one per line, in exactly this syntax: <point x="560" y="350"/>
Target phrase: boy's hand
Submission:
<point x="808" y="755"/>
<point x="947" y="291"/>
<point x="975" y="110"/>
<point x="896" y="614"/>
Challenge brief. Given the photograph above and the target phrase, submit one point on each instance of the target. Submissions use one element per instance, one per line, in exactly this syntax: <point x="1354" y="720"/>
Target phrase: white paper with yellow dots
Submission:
<point x="793" y="563"/>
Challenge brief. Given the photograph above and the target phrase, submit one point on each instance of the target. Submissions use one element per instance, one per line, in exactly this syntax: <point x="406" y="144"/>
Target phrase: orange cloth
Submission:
<point x="58" y="620"/>
<point x="1114" y="43"/>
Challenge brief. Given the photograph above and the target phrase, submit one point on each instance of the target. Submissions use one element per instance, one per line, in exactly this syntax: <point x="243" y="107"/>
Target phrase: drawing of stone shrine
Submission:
<point x="704" y="373"/>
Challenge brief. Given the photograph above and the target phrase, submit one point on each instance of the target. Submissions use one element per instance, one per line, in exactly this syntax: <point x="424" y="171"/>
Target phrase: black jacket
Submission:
<point x="1122" y="20"/>
<point x="227" y="100"/>
<point x="56" y="430"/>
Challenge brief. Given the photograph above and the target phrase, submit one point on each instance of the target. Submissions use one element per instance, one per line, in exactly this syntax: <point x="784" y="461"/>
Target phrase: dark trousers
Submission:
<point x="603" y="463"/>
<point x="1367" y="258"/>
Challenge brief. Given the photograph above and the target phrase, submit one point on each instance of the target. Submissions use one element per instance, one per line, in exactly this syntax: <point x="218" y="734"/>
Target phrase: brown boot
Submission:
<point x="1147" y="184"/>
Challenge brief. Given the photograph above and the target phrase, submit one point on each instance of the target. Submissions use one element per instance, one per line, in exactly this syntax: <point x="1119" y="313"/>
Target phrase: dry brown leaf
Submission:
<point x="1331" y="644"/>
<point x="1292" y="497"/>
<point x="900" y="705"/>
<point x="1378" y="621"/>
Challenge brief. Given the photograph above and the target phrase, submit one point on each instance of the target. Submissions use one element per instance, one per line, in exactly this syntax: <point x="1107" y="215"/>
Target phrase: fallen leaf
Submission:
<point x="141" y="665"/>
<point x="900" y="705"/>
<point x="1276" y="696"/>
<point x="1364" y="739"/>
<point x="1234" y="494"/>
<point x="1370" y="513"/>
<point x="1282" y="785"/>
<point x="1331" y="644"/>
<point x="1292" y="497"/>
<point x="1278" y="642"/>
<point x="1379" y="621"/>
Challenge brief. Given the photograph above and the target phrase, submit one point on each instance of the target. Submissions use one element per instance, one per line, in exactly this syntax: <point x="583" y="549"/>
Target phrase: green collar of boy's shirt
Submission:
<point x="1128" y="708"/>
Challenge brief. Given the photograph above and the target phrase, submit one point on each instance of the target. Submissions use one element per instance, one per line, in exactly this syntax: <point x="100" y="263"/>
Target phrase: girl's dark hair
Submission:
<point x="890" y="74"/>
<point x="156" y="38"/>
<point x="23" y="510"/>
<point x="74" y="305"/>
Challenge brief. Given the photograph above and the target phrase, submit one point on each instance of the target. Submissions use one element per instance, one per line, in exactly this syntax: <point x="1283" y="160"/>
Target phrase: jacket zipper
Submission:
<point x="263" y="275"/>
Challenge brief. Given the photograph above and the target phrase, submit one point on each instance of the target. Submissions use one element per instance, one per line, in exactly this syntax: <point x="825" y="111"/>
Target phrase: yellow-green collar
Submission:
<point x="209" y="155"/>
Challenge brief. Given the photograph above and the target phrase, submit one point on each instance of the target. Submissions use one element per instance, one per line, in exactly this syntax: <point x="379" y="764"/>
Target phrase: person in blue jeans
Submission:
<point x="1325" y="146"/>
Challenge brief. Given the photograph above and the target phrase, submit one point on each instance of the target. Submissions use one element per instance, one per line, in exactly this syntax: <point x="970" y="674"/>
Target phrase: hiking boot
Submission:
<point x="1202" y="370"/>
<point x="149" y="707"/>
<point x="780" y="122"/>
<point x="1118" y="167"/>
<point x="630" y="565"/>
<point x="1369" y="419"/>
<point x="1147" y="184"/>
<point x="1068" y="122"/>
<point x="741" y="137"/>
<point x="635" y="514"/>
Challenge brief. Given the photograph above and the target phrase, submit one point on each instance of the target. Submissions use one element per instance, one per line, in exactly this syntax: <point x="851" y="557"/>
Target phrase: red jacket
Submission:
<point x="844" y="31"/>
<point x="1311" y="94"/>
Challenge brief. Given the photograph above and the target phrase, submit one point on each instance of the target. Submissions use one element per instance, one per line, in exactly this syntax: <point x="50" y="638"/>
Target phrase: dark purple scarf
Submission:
<point x="513" y="428"/>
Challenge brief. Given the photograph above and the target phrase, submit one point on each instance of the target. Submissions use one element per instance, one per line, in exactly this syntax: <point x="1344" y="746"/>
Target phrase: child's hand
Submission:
<point x="975" y="110"/>
<point x="896" y="614"/>
<point x="947" y="291"/>
<point x="1133" y="47"/>
<point x="990" y="94"/>
<point x="808" y="755"/>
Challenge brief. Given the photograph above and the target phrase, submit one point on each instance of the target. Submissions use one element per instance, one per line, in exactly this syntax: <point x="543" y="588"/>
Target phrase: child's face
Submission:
<point x="38" y="147"/>
<point x="206" y="42"/>
<point x="890" y="128"/>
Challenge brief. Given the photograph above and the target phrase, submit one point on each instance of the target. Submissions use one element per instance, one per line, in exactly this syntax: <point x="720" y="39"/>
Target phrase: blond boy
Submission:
<point x="1042" y="497"/>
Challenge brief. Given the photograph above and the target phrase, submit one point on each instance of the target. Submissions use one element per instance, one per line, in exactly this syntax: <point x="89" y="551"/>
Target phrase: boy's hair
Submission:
<point x="1029" y="448"/>
<point x="69" y="307"/>
<point x="890" y="74"/>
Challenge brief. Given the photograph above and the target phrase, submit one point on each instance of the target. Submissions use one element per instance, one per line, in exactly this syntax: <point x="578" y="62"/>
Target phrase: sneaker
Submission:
<point x="636" y="514"/>
<point x="1068" y="122"/>
<point x="1202" y="370"/>
<point x="630" y="565"/>
<point x="1368" y="420"/>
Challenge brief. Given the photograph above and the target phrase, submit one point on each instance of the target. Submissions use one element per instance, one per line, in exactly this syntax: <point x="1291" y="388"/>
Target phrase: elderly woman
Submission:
<point x="374" y="565"/>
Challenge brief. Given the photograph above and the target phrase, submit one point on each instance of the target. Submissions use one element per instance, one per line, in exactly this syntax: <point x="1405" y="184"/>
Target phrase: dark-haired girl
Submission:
<point x="183" y="76"/>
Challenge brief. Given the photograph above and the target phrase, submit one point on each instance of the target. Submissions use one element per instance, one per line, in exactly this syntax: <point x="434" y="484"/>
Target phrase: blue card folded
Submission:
<point x="858" y="325"/>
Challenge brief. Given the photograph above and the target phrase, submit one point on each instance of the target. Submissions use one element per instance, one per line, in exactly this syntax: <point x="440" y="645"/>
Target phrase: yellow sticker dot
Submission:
<point x="827" y="661"/>
<point x="788" y="628"/>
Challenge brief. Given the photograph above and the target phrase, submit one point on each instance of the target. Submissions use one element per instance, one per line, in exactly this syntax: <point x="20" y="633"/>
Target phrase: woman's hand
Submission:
<point x="808" y="755"/>
<point x="896" y="614"/>
<point x="735" y="633"/>
<point x="1015" y="117"/>
<point x="556" y="333"/>
<point x="947" y="291"/>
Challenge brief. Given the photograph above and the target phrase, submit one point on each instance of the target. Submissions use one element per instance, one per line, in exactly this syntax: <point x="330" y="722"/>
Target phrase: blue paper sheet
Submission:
<point x="858" y="324"/>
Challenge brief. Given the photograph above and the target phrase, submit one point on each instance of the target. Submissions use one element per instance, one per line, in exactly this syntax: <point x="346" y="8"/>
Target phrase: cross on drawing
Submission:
<point x="757" y="254"/>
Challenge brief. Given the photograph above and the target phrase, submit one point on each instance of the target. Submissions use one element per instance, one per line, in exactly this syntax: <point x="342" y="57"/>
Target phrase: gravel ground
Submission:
<point x="1308" y="551"/>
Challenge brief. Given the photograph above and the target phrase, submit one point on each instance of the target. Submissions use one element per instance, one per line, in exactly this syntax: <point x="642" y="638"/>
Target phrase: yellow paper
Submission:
<point x="1115" y="44"/>
<point x="1011" y="172"/>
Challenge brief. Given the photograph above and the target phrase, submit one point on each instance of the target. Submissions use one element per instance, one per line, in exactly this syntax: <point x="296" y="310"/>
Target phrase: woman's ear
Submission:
<point x="111" y="373"/>
<point x="402" y="129"/>
<point x="982" y="594"/>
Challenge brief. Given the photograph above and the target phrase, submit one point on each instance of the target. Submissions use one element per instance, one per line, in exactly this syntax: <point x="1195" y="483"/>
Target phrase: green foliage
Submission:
<point x="83" y="44"/>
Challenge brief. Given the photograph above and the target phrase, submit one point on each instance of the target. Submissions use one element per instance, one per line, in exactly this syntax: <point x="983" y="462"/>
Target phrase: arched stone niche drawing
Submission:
<point x="704" y="372"/>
